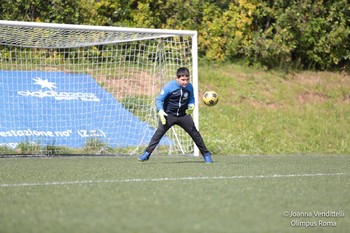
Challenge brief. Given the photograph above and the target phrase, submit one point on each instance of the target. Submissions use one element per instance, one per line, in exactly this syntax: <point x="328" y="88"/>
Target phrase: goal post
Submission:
<point x="89" y="89"/>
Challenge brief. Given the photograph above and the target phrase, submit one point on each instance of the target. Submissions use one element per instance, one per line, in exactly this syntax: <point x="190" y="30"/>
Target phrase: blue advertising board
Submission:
<point x="64" y="109"/>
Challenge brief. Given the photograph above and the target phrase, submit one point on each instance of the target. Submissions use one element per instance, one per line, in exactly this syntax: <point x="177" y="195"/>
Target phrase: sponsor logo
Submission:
<point x="82" y="96"/>
<point x="185" y="96"/>
<point x="31" y="133"/>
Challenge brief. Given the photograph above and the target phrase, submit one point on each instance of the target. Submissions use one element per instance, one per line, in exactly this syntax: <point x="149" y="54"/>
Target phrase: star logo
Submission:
<point x="44" y="83"/>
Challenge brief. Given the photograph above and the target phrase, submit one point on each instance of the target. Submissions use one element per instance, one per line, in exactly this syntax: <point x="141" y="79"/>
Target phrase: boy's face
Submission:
<point x="183" y="80"/>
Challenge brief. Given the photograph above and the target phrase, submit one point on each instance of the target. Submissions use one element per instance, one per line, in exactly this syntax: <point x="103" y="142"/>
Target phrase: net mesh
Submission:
<point x="86" y="91"/>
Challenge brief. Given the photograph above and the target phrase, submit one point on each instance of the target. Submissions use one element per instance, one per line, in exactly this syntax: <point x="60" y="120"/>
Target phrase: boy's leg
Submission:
<point x="187" y="124"/>
<point x="157" y="136"/>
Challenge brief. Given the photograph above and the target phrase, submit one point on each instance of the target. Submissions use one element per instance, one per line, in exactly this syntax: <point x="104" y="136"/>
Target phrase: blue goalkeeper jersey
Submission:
<point x="174" y="99"/>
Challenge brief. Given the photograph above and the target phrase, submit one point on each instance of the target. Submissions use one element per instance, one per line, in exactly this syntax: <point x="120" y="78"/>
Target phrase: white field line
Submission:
<point x="80" y="182"/>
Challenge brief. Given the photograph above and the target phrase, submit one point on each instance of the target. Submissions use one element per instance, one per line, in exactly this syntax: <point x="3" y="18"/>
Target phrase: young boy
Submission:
<point x="175" y="104"/>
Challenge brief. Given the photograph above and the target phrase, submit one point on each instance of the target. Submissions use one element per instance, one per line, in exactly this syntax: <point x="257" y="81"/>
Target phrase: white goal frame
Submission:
<point x="138" y="32"/>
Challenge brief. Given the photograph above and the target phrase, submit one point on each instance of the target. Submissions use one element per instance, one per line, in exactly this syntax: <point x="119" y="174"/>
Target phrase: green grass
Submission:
<point x="273" y="112"/>
<point x="172" y="194"/>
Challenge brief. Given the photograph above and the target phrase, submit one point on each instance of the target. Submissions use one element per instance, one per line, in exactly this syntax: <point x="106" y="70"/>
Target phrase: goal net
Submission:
<point x="75" y="89"/>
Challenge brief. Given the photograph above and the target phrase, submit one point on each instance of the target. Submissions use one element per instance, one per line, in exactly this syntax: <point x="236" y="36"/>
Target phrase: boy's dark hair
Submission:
<point x="183" y="71"/>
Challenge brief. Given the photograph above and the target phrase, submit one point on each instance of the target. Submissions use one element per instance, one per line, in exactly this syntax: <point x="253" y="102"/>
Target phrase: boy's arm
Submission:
<point x="161" y="98"/>
<point x="160" y="104"/>
<point x="191" y="98"/>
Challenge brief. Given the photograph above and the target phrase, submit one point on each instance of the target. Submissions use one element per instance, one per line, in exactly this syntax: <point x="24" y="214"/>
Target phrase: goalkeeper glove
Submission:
<point x="190" y="109"/>
<point x="162" y="115"/>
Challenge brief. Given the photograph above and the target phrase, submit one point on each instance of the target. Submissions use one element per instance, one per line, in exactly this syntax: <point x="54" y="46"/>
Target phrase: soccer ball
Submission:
<point x="210" y="98"/>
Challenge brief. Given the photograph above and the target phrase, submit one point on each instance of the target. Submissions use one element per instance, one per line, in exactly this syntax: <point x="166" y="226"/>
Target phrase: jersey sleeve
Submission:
<point x="191" y="98"/>
<point x="162" y="96"/>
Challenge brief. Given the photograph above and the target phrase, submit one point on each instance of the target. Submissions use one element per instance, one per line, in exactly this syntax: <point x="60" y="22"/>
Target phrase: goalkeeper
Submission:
<point x="175" y="104"/>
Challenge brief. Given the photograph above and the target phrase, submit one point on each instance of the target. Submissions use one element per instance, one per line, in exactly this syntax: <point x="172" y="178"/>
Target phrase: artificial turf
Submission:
<point x="174" y="194"/>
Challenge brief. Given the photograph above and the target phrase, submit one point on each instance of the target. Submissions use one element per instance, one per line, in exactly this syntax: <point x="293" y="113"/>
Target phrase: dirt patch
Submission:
<point x="260" y="104"/>
<point x="121" y="85"/>
<point x="309" y="97"/>
<point x="140" y="84"/>
<point x="269" y="105"/>
<point x="315" y="86"/>
<point x="309" y="79"/>
<point x="347" y="99"/>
